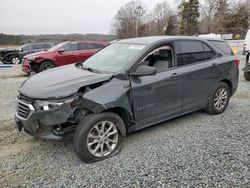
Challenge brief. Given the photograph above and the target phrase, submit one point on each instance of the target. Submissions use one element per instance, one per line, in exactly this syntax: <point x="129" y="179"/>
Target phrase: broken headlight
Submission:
<point x="49" y="105"/>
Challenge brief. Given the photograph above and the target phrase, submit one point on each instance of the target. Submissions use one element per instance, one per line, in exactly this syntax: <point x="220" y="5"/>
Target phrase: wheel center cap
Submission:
<point x="102" y="138"/>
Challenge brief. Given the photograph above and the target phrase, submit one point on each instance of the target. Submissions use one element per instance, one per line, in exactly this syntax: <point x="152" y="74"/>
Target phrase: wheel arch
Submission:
<point x="34" y="65"/>
<point x="123" y="114"/>
<point x="230" y="85"/>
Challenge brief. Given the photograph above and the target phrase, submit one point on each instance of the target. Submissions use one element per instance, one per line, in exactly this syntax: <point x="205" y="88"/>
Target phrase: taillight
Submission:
<point x="237" y="61"/>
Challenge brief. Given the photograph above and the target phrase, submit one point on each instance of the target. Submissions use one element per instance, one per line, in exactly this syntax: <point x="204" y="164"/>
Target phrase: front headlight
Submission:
<point x="32" y="58"/>
<point x="49" y="105"/>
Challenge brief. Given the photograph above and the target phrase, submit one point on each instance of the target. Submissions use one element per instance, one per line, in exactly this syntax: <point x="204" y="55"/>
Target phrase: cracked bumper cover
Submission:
<point x="44" y="120"/>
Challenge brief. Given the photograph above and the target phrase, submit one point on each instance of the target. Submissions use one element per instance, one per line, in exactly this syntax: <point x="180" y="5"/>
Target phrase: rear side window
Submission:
<point x="83" y="46"/>
<point x="46" y="46"/>
<point x="89" y="46"/>
<point x="38" y="46"/>
<point x="189" y="52"/>
<point x="209" y="53"/>
<point x="223" y="46"/>
<point x="95" y="46"/>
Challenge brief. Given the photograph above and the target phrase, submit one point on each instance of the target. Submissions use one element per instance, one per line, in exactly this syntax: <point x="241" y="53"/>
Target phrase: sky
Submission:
<point x="61" y="16"/>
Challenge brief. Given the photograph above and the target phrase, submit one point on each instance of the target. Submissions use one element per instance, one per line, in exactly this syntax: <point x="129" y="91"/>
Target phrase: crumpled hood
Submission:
<point x="37" y="53"/>
<point x="60" y="82"/>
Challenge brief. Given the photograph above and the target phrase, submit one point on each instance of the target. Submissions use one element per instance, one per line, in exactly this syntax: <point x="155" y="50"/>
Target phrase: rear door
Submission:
<point x="86" y="50"/>
<point x="198" y="63"/>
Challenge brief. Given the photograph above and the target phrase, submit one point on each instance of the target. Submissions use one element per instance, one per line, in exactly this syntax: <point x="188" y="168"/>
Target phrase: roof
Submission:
<point x="153" y="39"/>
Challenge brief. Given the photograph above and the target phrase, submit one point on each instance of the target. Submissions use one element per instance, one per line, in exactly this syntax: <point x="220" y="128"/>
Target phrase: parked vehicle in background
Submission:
<point x="246" y="69"/>
<point x="62" y="54"/>
<point x="127" y="86"/>
<point x="246" y="47"/>
<point x="14" y="56"/>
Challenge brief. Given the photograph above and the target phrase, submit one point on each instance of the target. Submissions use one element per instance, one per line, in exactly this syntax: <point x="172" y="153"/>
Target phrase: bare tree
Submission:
<point x="124" y="23"/>
<point x="161" y="14"/>
<point x="208" y="10"/>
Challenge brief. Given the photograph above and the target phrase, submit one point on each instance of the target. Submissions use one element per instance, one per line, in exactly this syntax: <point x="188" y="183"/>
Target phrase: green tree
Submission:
<point x="189" y="15"/>
<point x="238" y="20"/>
<point x="172" y="27"/>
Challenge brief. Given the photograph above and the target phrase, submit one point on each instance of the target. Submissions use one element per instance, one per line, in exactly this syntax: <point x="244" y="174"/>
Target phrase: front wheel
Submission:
<point x="219" y="100"/>
<point x="46" y="65"/>
<point x="98" y="136"/>
<point x="247" y="76"/>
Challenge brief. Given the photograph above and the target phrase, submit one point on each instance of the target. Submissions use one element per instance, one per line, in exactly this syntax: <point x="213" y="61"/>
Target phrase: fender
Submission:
<point x="106" y="97"/>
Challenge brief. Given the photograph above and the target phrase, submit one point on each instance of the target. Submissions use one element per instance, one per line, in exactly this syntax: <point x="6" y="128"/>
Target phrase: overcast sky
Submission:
<point x="61" y="16"/>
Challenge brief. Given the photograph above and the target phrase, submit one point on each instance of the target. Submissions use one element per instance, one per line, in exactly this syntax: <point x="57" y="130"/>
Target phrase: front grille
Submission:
<point x="25" y="98"/>
<point x="23" y="109"/>
<point x="23" y="106"/>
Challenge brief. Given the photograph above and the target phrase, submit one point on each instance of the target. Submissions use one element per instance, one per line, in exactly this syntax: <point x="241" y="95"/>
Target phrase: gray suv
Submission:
<point x="125" y="87"/>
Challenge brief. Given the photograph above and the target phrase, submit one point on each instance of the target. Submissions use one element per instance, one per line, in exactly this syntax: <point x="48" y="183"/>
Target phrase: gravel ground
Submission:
<point x="195" y="150"/>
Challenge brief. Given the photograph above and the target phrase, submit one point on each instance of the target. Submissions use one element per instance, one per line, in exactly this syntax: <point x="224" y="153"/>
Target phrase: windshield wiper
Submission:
<point x="91" y="69"/>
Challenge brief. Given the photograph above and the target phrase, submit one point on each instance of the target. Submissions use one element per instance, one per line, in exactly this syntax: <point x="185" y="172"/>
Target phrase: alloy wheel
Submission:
<point x="15" y="60"/>
<point x="47" y="66"/>
<point x="220" y="99"/>
<point x="102" y="139"/>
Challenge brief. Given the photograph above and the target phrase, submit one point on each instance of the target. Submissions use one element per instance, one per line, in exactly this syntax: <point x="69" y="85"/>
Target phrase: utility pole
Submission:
<point x="139" y="14"/>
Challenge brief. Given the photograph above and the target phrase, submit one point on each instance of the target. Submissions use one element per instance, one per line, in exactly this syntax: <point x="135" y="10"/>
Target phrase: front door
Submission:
<point x="68" y="55"/>
<point x="157" y="97"/>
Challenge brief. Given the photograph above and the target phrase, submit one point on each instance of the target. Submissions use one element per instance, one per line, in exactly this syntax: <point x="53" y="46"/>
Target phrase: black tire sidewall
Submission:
<point x="82" y="131"/>
<point x="211" y="109"/>
<point x="247" y="76"/>
<point x="43" y="64"/>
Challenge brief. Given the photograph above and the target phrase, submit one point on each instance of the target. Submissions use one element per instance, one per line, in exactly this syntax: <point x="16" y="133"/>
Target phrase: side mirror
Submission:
<point x="144" y="70"/>
<point x="60" y="51"/>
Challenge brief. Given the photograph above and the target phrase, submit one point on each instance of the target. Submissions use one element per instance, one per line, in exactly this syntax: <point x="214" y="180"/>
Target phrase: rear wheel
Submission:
<point x="247" y="76"/>
<point x="98" y="137"/>
<point x="219" y="100"/>
<point x="46" y="65"/>
<point x="15" y="60"/>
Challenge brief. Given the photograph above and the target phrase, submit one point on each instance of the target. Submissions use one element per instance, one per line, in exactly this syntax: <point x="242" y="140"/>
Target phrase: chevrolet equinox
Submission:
<point x="125" y="87"/>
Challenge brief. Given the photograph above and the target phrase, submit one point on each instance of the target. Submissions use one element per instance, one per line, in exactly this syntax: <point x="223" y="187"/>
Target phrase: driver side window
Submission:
<point x="161" y="58"/>
<point x="70" y="47"/>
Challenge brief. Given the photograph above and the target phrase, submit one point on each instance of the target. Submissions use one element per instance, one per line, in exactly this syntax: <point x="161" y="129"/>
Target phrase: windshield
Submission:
<point x="114" y="57"/>
<point x="57" y="47"/>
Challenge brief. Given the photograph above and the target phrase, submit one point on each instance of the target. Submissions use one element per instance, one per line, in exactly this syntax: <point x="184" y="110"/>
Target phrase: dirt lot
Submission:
<point x="196" y="150"/>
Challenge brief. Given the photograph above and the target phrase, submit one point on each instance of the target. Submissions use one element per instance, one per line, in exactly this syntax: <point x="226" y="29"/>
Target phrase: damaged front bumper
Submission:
<point x="42" y="124"/>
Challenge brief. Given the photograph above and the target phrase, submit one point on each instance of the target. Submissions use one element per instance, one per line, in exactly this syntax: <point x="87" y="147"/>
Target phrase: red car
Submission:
<point x="61" y="54"/>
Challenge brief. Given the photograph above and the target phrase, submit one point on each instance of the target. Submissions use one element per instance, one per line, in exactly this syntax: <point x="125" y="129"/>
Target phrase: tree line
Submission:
<point x="50" y="38"/>
<point x="191" y="17"/>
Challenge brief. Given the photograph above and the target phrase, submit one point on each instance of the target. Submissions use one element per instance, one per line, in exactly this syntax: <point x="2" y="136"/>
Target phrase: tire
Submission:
<point x="247" y="76"/>
<point x="88" y="141"/>
<point x="14" y="60"/>
<point x="218" y="101"/>
<point x="46" y="65"/>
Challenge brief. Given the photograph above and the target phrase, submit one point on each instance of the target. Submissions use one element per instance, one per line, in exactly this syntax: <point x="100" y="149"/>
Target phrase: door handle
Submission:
<point x="175" y="75"/>
<point x="214" y="65"/>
